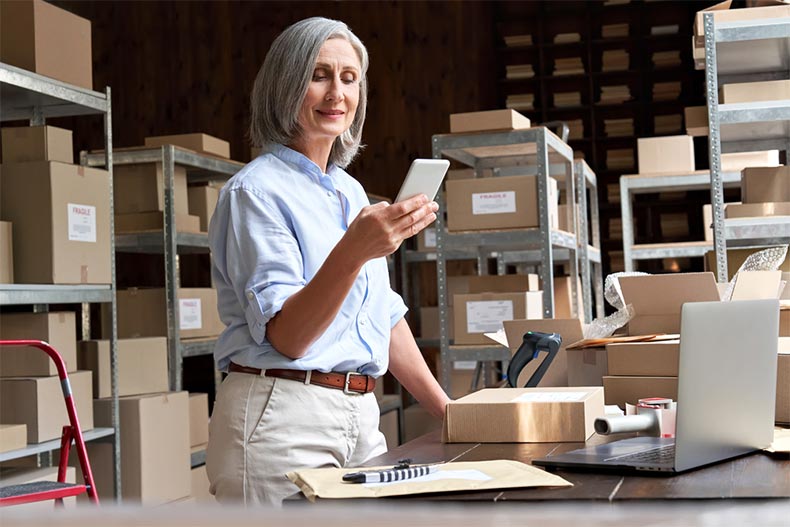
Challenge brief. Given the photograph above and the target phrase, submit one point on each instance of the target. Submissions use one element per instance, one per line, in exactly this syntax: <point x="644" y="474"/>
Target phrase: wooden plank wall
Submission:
<point x="189" y="66"/>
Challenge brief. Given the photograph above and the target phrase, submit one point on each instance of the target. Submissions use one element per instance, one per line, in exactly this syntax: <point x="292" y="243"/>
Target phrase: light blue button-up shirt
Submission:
<point x="275" y="223"/>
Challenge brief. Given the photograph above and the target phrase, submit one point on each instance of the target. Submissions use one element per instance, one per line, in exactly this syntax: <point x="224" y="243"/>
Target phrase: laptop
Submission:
<point x="726" y="395"/>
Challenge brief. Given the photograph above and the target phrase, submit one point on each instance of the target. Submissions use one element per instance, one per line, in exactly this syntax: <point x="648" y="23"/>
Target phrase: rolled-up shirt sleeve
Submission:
<point x="398" y="308"/>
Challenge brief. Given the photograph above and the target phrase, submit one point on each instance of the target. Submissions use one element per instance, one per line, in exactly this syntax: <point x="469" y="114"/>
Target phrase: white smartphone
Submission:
<point x="425" y="177"/>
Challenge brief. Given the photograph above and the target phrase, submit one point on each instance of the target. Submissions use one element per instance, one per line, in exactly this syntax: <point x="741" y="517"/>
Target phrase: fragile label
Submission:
<point x="82" y="223"/>
<point x="486" y="316"/>
<point x="494" y="202"/>
<point x="430" y="237"/>
<point x="550" y="397"/>
<point x="465" y="364"/>
<point x="189" y="316"/>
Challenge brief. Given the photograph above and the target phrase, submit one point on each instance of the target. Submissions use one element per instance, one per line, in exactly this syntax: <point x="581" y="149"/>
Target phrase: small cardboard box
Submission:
<point x="562" y="218"/>
<point x="6" y="252"/>
<point x="58" y="328"/>
<point x="658" y="299"/>
<point x="65" y="237"/>
<point x="569" y="329"/>
<point x="656" y="359"/>
<point x="563" y="298"/>
<point x="629" y="389"/>
<point x="696" y="120"/>
<point x="202" y="143"/>
<point x="670" y="154"/>
<point x="198" y="419"/>
<point x="39" y="37"/>
<point x="506" y="283"/>
<point x="388" y="425"/>
<point x="765" y="184"/>
<point x="37" y="143"/>
<point x="723" y="13"/>
<point x="754" y="91"/>
<point x="142" y="365"/>
<point x="783" y="382"/>
<point x="757" y="210"/>
<point x="155" y="465"/>
<point x="200" y="485"/>
<point x="419" y="422"/>
<point x="489" y="120"/>
<point x="506" y="202"/>
<point x="784" y="322"/>
<point x="12" y="437"/>
<point x="38" y="403"/>
<point x="738" y="161"/>
<point x="202" y="202"/>
<point x="154" y="221"/>
<point x="426" y="240"/>
<point x="141" y="188"/>
<point x="524" y="415"/>
<point x="587" y="367"/>
<point x="476" y="314"/>
<point x="429" y="322"/>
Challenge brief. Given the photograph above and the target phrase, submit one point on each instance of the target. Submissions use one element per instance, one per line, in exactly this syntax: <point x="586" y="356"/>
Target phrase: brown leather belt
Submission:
<point x="351" y="382"/>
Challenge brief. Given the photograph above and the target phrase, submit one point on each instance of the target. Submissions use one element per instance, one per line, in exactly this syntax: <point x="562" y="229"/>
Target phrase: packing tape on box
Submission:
<point x="766" y="260"/>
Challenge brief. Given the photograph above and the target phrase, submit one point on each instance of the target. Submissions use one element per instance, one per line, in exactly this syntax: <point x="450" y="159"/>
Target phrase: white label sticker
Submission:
<point x="550" y="397"/>
<point x="465" y="364"/>
<point x="189" y="316"/>
<point x="494" y="202"/>
<point x="487" y="315"/>
<point x="82" y="223"/>
<point x="430" y="237"/>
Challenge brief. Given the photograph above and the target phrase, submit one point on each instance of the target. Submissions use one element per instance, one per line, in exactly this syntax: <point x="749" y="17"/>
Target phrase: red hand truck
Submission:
<point x="55" y="490"/>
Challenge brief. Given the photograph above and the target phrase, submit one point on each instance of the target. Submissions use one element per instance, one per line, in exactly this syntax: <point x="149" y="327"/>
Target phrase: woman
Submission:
<point x="302" y="281"/>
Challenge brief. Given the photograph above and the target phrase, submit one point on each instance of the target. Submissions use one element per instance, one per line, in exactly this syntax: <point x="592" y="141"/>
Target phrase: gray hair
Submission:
<point x="282" y="82"/>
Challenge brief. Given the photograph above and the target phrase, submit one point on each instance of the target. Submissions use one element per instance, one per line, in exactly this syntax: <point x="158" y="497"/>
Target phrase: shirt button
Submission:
<point x="329" y="193"/>
<point x="250" y="295"/>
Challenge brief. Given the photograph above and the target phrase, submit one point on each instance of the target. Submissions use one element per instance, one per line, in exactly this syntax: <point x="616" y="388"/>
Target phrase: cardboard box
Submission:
<point x="202" y="143"/>
<point x="757" y="285"/>
<point x="202" y="202"/>
<point x="155" y="465"/>
<point x="426" y="240"/>
<point x="388" y="425"/>
<point x="696" y="120"/>
<point x="736" y="258"/>
<point x="738" y="161"/>
<point x="506" y="283"/>
<point x="757" y="210"/>
<point x="658" y="299"/>
<point x="12" y="437"/>
<point x="563" y="298"/>
<point x="783" y="382"/>
<point x="587" y="367"/>
<point x="66" y="210"/>
<point x="141" y="188"/>
<point x="765" y="184"/>
<point x="562" y="218"/>
<point x="489" y="120"/>
<point x="154" y="221"/>
<point x="754" y="91"/>
<point x="457" y="285"/>
<point x="22" y="476"/>
<point x="462" y="375"/>
<point x="670" y="154"/>
<point x="523" y="415"/>
<point x="38" y="403"/>
<point x="784" y="322"/>
<point x="37" y="143"/>
<point x="429" y="322"/>
<point x="6" y="252"/>
<point x="143" y="313"/>
<point x="476" y="314"/>
<point x="198" y="419"/>
<point x="506" y="202"/>
<point x="419" y="422"/>
<point x="200" y="485"/>
<point x="569" y="329"/>
<point x="723" y="13"/>
<point x="142" y="365"/>
<point x="658" y="359"/>
<point x="58" y="328"/>
<point x="39" y="37"/>
<point x="629" y="389"/>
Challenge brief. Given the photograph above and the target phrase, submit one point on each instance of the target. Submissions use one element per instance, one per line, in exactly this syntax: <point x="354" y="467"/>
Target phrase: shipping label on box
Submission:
<point x="189" y="316"/>
<point x="476" y="314"/>
<point x="82" y="222"/>
<point x="493" y="202"/>
<point x="487" y="315"/>
<point x="426" y="240"/>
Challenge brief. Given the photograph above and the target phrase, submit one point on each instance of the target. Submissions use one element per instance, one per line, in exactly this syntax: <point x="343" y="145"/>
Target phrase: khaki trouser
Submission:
<point x="264" y="427"/>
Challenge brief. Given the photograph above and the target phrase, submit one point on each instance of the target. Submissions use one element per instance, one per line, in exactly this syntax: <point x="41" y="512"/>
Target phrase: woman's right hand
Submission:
<point x="378" y="230"/>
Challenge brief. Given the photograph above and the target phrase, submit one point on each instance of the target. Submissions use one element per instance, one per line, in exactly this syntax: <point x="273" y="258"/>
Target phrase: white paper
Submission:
<point x="465" y="364"/>
<point x="499" y="337"/>
<point x="189" y="316"/>
<point x="468" y="475"/>
<point x="486" y="316"/>
<point x="82" y="223"/>
<point x="430" y="237"/>
<point x="494" y="202"/>
<point x="550" y="397"/>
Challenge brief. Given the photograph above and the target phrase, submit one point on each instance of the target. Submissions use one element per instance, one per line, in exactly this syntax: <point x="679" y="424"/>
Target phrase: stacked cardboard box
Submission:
<point x="566" y="99"/>
<point x="519" y="71"/>
<point x="575" y="129"/>
<point x="521" y="102"/>
<point x="198" y="142"/>
<point x="487" y="120"/>
<point x="641" y="369"/>
<point x="615" y="60"/>
<point x="615" y="94"/>
<point x="765" y="191"/>
<point x="618" y="127"/>
<point x="671" y="154"/>
<point x="745" y="92"/>
<point x="614" y="31"/>
<point x="668" y="124"/>
<point x="666" y="91"/>
<point x="568" y="66"/>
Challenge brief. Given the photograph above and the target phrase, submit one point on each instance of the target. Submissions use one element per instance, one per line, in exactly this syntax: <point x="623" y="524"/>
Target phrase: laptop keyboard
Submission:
<point x="664" y="454"/>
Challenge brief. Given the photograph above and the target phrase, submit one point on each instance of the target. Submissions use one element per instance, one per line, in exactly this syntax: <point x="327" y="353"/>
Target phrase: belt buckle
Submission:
<point x="346" y="389"/>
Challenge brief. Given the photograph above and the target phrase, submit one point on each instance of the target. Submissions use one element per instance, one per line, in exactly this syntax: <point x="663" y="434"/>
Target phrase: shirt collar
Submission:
<point x="289" y="155"/>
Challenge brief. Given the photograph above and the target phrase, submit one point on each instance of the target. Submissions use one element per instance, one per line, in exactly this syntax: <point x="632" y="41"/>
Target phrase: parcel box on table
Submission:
<point x="524" y="415"/>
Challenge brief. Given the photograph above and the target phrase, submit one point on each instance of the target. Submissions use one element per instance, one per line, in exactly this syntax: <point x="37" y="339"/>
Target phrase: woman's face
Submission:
<point x="333" y="94"/>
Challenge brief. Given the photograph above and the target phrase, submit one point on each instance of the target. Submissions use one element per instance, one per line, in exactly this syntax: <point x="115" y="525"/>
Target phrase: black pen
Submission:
<point x="389" y="475"/>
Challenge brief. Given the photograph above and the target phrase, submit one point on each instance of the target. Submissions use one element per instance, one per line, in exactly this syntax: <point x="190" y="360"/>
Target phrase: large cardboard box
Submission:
<point x="39" y="37"/>
<point x="587" y="367"/>
<point x="154" y="221"/>
<point x="757" y="210"/>
<point x="629" y="389"/>
<point x="738" y="161"/>
<point x="657" y="359"/>
<point x="65" y="209"/>
<point x="670" y="154"/>
<point x="736" y="258"/>
<point x="489" y="120"/>
<point x="658" y="299"/>
<point x="507" y="202"/>
<point x="198" y="419"/>
<point x="202" y="202"/>
<point x="202" y="143"/>
<point x="506" y="283"/>
<point x="58" y="328"/>
<point x="142" y="365"/>
<point x="155" y="465"/>
<point x="22" y="476"/>
<point x="6" y="252"/>
<point x="723" y="13"/>
<point x="476" y="314"/>
<point x="783" y="382"/>
<point x="569" y="329"/>
<point x="388" y="425"/>
<point x="12" y="437"/>
<point x="765" y="184"/>
<point x="563" y="298"/>
<point x="143" y="313"/>
<point x="38" y="403"/>
<point x="141" y="188"/>
<point x="524" y="415"/>
<point x="754" y="91"/>
<point x="419" y="422"/>
<point x="696" y="120"/>
<point x="429" y="322"/>
<point x="200" y="485"/>
<point x="37" y="143"/>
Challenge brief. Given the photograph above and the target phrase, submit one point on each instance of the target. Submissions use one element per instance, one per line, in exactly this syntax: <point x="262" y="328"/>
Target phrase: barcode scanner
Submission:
<point x="533" y="343"/>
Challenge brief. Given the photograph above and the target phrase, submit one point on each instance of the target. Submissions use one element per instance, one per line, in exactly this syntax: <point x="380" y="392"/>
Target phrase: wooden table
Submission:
<point x="759" y="475"/>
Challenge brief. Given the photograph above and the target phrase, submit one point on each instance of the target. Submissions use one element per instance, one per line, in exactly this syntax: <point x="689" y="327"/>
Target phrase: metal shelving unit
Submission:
<point x="169" y="242"/>
<point x="25" y="95"/>
<point x="745" y="50"/>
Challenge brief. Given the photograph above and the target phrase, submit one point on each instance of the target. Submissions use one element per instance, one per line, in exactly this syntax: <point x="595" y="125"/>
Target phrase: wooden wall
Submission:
<point x="189" y="66"/>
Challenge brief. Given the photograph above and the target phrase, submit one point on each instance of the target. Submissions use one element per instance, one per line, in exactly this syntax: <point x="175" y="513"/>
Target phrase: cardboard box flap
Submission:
<point x="757" y="285"/>
<point x="665" y="294"/>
